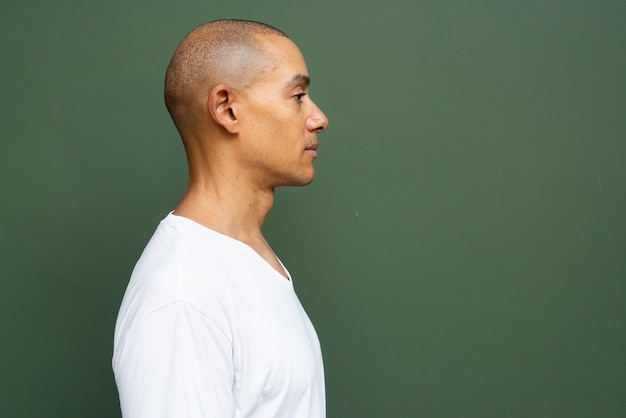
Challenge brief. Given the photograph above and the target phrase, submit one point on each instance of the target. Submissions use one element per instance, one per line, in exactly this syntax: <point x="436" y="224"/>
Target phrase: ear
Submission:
<point x="222" y="106"/>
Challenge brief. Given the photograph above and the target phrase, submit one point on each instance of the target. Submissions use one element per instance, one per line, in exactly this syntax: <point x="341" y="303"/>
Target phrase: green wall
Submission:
<point x="462" y="251"/>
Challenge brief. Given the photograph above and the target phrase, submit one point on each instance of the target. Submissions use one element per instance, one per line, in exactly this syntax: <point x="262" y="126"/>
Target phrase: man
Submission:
<point x="210" y="325"/>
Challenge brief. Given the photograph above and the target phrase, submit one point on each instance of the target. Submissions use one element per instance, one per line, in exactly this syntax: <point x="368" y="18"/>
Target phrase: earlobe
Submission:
<point x="221" y="105"/>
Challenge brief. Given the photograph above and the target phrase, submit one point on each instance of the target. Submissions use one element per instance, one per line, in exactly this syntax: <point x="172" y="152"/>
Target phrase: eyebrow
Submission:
<point x="300" y="79"/>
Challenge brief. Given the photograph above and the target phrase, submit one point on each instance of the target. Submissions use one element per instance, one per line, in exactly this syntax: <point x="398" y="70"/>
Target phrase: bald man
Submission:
<point x="210" y="325"/>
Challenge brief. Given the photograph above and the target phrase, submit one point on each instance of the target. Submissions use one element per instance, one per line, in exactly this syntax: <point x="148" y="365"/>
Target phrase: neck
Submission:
<point x="226" y="207"/>
<point x="226" y="196"/>
<point x="233" y="211"/>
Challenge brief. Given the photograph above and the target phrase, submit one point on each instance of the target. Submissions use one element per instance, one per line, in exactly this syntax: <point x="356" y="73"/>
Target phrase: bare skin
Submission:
<point x="248" y="139"/>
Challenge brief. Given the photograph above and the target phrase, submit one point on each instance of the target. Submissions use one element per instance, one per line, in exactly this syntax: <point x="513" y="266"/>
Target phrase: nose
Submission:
<point x="317" y="122"/>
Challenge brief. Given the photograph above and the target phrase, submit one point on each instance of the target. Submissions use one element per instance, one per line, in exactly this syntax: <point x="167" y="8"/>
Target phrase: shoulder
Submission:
<point x="181" y="263"/>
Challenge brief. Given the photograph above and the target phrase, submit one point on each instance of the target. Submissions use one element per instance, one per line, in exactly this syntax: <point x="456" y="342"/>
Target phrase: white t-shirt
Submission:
<point x="208" y="328"/>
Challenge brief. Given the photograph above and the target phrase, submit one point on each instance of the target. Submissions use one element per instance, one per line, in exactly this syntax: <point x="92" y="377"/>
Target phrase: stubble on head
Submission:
<point x="226" y="52"/>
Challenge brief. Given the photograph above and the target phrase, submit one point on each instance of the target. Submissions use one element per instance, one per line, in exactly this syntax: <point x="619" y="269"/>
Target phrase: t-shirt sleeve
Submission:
<point x="175" y="362"/>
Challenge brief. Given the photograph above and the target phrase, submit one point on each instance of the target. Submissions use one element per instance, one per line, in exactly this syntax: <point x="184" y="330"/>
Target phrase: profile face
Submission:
<point x="281" y="120"/>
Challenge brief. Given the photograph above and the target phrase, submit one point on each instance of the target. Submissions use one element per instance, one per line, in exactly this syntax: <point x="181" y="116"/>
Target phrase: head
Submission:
<point x="244" y="85"/>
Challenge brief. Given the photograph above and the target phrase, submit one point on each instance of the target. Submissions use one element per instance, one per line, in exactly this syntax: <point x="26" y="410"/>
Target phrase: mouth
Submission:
<point x="313" y="146"/>
<point x="312" y="149"/>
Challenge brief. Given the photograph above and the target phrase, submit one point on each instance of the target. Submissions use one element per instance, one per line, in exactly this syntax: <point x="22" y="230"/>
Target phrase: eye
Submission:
<point x="299" y="97"/>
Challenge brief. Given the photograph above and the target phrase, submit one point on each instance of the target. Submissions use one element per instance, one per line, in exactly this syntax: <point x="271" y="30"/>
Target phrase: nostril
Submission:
<point x="317" y="124"/>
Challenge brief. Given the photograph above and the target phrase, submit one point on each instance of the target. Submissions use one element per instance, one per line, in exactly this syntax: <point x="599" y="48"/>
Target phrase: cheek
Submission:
<point x="276" y="128"/>
<point x="264" y="119"/>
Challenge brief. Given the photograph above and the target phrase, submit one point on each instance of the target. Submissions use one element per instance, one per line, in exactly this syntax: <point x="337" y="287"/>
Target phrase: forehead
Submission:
<point x="285" y="57"/>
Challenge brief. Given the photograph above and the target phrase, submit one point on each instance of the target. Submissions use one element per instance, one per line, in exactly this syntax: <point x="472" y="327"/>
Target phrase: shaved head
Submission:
<point x="222" y="51"/>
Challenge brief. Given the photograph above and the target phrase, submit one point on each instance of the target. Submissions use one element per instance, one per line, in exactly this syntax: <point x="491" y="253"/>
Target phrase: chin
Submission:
<point x="299" y="181"/>
<point x="308" y="180"/>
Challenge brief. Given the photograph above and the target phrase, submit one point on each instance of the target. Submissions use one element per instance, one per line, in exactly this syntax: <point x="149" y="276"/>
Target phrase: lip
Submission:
<point x="314" y="146"/>
<point x="312" y="149"/>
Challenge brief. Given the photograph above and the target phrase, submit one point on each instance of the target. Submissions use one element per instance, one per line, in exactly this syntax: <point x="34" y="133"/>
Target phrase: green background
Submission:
<point x="462" y="252"/>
